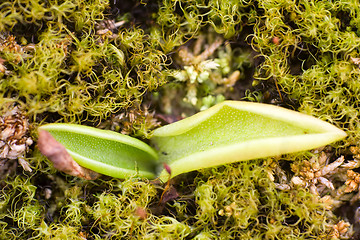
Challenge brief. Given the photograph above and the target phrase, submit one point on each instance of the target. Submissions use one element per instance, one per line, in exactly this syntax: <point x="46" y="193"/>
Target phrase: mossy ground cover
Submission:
<point x="160" y="61"/>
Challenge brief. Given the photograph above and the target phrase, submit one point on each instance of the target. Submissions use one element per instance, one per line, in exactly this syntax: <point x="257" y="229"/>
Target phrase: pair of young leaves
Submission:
<point x="228" y="132"/>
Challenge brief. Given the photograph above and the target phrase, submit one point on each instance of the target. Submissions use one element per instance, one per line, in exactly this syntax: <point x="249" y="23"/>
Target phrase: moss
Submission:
<point x="67" y="56"/>
<point x="313" y="38"/>
<point x="234" y="201"/>
<point x="60" y="62"/>
<point x="240" y="201"/>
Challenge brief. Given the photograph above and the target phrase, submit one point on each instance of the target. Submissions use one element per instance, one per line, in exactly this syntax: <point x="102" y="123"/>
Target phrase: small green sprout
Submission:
<point x="228" y="132"/>
<point x="235" y="131"/>
<point x="105" y="151"/>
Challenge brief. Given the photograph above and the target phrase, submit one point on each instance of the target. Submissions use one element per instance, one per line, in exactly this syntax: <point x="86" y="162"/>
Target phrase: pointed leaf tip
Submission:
<point x="235" y="131"/>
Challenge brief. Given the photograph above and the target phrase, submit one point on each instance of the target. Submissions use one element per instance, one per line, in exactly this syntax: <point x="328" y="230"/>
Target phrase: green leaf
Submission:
<point x="104" y="151"/>
<point x="235" y="131"/>
<point x="228" y="132"/>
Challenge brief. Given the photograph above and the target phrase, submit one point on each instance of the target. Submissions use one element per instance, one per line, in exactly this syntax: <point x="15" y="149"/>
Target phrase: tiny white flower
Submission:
<point x="209" y="65"/>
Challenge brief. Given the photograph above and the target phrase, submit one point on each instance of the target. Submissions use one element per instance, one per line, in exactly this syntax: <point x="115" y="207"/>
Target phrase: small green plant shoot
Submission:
<point x="228" y="132"/>
<point x="105" y="151"/>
